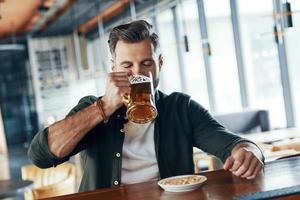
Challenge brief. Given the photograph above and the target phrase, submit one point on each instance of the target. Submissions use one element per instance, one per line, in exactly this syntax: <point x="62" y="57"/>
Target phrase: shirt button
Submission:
<point x="118" y="154"/>
<point x="118" y="116"/>
<point x="116" y="182"/>
<point x="122" y="130"/>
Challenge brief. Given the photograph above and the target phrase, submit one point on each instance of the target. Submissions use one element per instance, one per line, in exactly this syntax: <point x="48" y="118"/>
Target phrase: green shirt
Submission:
<point x="181" y="124"/>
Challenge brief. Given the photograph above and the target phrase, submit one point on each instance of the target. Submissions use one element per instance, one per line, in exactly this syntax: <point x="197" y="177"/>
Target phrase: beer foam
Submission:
<point x="140" y="79"/>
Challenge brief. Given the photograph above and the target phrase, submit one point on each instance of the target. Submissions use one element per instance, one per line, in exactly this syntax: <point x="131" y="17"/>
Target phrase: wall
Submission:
<point x="16" y="99"/>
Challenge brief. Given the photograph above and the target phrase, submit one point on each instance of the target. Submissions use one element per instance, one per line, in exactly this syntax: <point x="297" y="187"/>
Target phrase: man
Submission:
<point x="115" y="151"/>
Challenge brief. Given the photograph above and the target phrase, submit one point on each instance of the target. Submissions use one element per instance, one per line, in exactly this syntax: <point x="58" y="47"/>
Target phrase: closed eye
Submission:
<point x="148" y="63"/>
<point x="126" y="64"/>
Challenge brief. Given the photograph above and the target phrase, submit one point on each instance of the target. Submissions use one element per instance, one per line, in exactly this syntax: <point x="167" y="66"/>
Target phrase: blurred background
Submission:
<point x="229" y="55"/>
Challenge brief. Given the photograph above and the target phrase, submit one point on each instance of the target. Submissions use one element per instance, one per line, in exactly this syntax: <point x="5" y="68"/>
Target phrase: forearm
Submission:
<point x="64" y="135"/>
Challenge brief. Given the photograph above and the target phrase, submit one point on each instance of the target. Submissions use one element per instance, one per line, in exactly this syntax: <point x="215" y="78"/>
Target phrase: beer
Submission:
<point x="140" y="102"/>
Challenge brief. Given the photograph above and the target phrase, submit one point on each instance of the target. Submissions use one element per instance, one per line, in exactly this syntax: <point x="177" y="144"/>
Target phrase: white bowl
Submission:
<point x="183" y="187"/>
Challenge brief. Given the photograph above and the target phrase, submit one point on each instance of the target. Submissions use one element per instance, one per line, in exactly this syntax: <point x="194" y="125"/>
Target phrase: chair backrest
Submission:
<point x="245" y="121"/>
<point x="4" y="167"/>
<point x="49" y="182"/>
<point x="3" y="144"/>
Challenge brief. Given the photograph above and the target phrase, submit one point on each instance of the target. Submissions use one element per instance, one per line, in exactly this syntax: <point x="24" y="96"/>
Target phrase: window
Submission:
<point x="292" y="47"/>
<point x="193" y="60"/>
<point x="170" y="75"/>
<point x="261" y="58"/>
<point x="223" y="60"/>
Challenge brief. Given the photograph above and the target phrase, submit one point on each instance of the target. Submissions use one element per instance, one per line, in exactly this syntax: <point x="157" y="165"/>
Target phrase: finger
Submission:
<point x="119" y="73"/>
<point x="115" y="74"/>
<point x="237" y="163"/>
<point x="122" y="84"/>
<point x="256" y="171"/>
<point x="239" y="157"/>
<point x="112" y="79"/>
<point x="245" y="166"/>
<point x="120" y="78"/>
<point x="124" y="91"/>
<point x="228" y="163"/>
<point x="253" y="165"/>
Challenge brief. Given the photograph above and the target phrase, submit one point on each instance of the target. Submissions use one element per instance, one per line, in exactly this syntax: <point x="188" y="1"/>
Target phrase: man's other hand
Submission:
<point x="245" y="161"/>
<point x="117" y="86"/>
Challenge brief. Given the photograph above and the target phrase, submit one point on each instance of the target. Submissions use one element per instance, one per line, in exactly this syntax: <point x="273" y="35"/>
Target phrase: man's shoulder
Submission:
<point x="163" y="95"/>
<point x="83" y="103"/>
<point x="175" y="99"/>
<point x="178" y="97"/>
<point x="182" y="100"/>
<point x="88" y="100"/>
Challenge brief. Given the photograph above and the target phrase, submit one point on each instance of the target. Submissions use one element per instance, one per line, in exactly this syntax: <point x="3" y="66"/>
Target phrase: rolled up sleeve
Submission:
<point x="40" y="153"/>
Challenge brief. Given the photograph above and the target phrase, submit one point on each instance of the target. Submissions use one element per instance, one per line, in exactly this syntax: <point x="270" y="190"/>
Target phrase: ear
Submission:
<point x="160" y="61"/>
<point x="113" y="65"/>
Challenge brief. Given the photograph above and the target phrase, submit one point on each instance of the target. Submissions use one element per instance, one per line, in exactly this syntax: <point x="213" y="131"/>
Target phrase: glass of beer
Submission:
<point x="140" y="102"/>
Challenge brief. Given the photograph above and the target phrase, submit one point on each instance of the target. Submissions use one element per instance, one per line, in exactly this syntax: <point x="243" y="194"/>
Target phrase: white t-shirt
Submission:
<point x="139" y="162"/>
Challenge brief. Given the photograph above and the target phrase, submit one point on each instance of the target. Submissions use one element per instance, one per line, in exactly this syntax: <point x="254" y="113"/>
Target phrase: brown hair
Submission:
<point x="135" y="31"/>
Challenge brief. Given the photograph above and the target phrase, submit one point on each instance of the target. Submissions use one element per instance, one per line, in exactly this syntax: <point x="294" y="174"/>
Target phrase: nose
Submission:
<point x="136" y="69"/>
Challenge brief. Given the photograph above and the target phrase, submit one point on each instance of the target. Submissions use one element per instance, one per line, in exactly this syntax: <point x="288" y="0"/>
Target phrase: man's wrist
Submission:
<point x="107" y="108"/>
<point x="250" y="146"/>
<point x="100" y="106"/>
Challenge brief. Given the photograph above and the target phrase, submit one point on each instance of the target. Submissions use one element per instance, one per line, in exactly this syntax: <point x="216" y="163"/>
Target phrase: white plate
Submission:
<point x="183" y="187"/>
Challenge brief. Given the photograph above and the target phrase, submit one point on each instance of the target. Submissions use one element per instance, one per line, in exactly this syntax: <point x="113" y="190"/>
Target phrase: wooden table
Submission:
<point x="11" y="188"/>
<point x="274" y="135"/>
<point x="220" y="185"/>
<point x="277" y="143"/>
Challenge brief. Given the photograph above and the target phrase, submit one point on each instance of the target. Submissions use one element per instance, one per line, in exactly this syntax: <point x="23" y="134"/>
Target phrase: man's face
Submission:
<point x="138" y="57"/>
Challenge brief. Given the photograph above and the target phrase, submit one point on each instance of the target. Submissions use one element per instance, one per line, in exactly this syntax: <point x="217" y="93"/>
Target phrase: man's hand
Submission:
<point x="245" y="161"/>
<point x="116" y="87"/>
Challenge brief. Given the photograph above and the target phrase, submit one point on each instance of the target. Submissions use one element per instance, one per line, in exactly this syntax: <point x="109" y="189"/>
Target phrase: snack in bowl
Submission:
<point x="182" y="183"/>
<point x="182" y="180"/>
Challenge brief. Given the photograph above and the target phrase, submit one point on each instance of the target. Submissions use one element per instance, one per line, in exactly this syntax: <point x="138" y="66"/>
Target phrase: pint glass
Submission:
<point x="140" y="102"/>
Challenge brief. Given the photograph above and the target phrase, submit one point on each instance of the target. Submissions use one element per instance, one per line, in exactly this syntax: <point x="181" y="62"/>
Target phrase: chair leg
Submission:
<point x="213" y="162"/>
<point x="3" y="144"/>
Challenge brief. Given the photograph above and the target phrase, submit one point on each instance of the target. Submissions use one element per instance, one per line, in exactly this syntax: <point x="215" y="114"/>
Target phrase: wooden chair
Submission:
<point x="212" y="162"/>
<point x="293" y="144"/>
<point x="3" y="145"/>
<point x="59" y="180"/>
<point x="4" y="167"/>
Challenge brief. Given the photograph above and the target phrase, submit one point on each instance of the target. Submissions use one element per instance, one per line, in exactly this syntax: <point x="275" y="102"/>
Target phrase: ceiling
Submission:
<point x="79" y="13"/>
<point x="16" y="15"/>
<point x="57" y="17"/>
